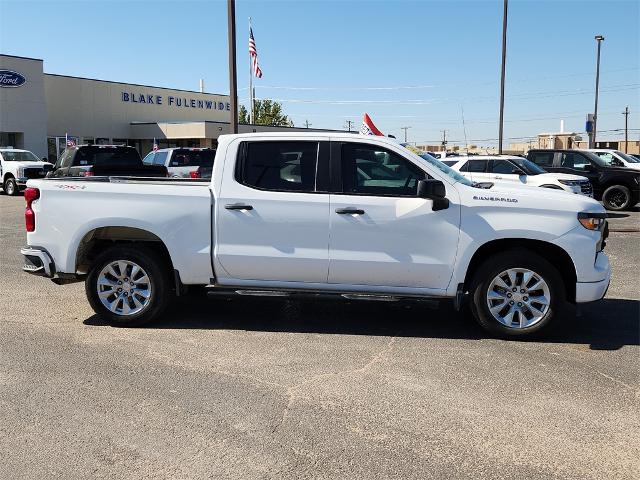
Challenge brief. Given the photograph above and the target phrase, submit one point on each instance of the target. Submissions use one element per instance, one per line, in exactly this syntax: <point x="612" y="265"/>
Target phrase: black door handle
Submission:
<point x="238" y="206"/>
<point x="347" y="211"/>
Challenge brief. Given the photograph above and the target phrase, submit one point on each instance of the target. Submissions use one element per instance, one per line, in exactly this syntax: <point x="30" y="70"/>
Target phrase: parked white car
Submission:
<point x="347" y="215"/>
<point x="616" y="158"/>
<point x="517" y="171"/>
<point x="17" y="166"/>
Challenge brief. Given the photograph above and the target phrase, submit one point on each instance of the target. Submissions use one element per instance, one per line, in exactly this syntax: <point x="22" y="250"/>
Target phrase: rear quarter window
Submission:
<point x="543" y="159"/>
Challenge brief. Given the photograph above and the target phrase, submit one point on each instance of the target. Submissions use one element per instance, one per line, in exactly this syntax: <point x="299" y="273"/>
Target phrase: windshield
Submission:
<point x="446" y="169"/>
<point x="626" y="157"/>
<point x="528" y="166"/>
<point x="9" y="156"/>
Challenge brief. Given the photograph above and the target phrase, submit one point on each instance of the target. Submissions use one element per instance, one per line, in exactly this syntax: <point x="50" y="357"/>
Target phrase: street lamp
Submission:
<point x="504" y="61"/>
<point x="599" y="39"/>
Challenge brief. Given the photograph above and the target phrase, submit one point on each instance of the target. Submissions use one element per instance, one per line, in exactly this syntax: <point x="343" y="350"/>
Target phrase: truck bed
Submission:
<point x="178" y="212"/>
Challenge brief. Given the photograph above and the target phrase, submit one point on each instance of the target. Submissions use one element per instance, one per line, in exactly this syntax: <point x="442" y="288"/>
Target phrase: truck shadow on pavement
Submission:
<point x="606" y="325"/>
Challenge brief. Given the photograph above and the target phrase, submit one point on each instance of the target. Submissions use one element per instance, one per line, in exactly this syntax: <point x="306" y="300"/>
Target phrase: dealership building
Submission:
<point x="37" y="111"/>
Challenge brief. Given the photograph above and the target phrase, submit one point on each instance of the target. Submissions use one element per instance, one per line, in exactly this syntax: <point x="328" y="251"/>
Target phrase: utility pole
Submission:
<point x="233" y="80"/>
<point x="307" y="124"/>
<point x="348" y="126"/>
<point x="444" y="140"/>
<point x="405" y="132"/>
<point x="599" y="39"/>
<point x="504" y="62"/>
<point x="626" y="129"/>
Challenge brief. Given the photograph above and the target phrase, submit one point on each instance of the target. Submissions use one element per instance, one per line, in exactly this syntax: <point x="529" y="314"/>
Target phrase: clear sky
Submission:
<point x="406" y="63"/>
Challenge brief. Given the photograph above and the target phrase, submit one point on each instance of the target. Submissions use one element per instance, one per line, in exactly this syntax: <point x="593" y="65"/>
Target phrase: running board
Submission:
<point x="371" y="297"/>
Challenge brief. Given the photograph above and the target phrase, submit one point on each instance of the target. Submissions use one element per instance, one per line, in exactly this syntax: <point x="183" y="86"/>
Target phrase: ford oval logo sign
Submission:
<point x="9" y="78"/>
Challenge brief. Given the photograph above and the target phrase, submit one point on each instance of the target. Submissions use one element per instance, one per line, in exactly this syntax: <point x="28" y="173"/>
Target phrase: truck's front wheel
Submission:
<point x="516" y="293"/>
<point x="128" y="286"/>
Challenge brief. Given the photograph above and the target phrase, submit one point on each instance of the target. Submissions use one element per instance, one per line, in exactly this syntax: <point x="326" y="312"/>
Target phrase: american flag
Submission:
<point x="70" y="141"/>
<point x="368" y="128"/>
<point x="254" y="54"/>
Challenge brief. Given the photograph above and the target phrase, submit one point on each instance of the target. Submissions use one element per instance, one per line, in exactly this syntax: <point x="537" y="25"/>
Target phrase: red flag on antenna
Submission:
<point x="368" y="128"/>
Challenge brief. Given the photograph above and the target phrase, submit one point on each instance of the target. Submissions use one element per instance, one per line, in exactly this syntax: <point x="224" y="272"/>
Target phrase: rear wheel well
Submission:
<point x="550" y="252"/>
<point x="97" y="241"/>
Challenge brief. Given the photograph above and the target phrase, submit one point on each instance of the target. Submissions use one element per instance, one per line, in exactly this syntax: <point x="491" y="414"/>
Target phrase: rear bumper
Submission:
<point x="38" y="262"/>
<point x="592" y="291"/>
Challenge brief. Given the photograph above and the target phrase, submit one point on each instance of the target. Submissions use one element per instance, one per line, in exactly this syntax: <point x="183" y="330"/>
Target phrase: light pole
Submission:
<point x="599" y="39"/>
<point x="504" y="61"/>
<point x="405" y="132"/>
<point x="233" y="80"/>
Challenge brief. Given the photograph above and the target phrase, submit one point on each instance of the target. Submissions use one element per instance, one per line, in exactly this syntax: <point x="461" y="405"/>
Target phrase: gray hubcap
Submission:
<point x="124" y="287"/>
<point x="518" y="298"/>
<point x="10" y="187"/>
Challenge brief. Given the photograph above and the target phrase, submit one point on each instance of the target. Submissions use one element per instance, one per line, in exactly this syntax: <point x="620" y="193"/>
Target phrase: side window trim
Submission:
<point x="243" y="151"/>
<point x="338" y="165"/>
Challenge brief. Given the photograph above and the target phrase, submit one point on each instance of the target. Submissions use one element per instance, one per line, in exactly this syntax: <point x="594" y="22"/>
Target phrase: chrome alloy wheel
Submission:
<point x="124" y="287"/>
<point x="518" y="298"/>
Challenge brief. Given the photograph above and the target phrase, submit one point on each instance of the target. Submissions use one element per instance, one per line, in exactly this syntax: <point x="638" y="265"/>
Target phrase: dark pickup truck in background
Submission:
<point x="617" y="187"/>
<point x="104" y="160"/>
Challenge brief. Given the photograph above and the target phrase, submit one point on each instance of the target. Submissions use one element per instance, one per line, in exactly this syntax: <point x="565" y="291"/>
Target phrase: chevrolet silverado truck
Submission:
<point x="320" y="214"/>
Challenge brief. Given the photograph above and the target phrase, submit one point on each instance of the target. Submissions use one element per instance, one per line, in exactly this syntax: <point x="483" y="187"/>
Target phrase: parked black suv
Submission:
<point x="617" y="187"/>
<point x="104" y="160"/>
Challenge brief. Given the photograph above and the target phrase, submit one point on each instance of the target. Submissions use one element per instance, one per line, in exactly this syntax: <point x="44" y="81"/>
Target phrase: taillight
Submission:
<point x="195" y="174"/>
<point x="88" y="173"/>
<point x="30" y="194"/>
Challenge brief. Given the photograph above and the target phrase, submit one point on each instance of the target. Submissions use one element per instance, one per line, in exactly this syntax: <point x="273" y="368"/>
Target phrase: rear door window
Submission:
<point x="148" y="160"/>
<point x="279" y="166"/>
<point x="543" y="159"/>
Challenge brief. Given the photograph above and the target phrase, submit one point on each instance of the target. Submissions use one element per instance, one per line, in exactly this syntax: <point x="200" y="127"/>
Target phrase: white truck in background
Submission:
<point x="341" y="214"/>
<point x="17" y="166"/>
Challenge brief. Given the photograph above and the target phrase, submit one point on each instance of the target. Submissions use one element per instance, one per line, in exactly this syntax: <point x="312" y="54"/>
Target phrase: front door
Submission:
<point x="381" y="232"/>
<point x="505" y="171"/>
<point x="272" y="217"/>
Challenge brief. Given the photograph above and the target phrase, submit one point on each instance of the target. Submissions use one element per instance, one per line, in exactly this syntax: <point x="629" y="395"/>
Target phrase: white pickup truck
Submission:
<point x="311" y="213"/>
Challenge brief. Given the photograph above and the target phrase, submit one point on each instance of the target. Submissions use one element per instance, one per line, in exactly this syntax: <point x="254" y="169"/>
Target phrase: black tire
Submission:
<point x="501" y="262"/>
<point x="11" y="187"/>
<point x="157" y="272"/>
<point x="617" y="197"/>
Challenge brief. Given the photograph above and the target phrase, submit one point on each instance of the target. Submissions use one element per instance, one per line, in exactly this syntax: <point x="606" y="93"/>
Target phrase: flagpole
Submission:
<point x="251" y="119"/>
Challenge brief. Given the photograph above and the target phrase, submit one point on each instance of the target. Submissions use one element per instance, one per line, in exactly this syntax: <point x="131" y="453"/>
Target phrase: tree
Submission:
<point x="268" y="112"/>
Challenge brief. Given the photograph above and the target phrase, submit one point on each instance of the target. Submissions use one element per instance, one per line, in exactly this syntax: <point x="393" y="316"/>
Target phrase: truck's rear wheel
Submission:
<point x="516" y="293"/>
<point x="128" y="286"/>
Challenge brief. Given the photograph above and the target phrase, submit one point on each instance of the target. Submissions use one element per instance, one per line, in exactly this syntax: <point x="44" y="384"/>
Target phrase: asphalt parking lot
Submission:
<point x="251" y="388"/>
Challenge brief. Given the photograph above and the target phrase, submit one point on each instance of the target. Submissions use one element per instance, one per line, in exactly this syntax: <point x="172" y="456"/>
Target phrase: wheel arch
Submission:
<point x="98" y="239"/>
<point x="554" y="254"/>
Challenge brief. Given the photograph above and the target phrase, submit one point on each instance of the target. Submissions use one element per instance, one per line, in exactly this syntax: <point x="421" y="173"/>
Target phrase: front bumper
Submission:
<point x="592" y="291"/>
<point x="38" y="262"/>
<point x="21" y="182"/>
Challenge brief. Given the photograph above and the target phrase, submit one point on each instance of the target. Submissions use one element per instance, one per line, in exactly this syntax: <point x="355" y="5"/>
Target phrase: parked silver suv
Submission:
<point x="183" y="162"/>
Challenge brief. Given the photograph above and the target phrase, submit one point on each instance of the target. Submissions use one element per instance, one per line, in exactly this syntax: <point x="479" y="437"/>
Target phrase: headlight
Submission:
<point x="570" y="183"/>
<point x="20" y="171"/>
<point x="592" y="221"/>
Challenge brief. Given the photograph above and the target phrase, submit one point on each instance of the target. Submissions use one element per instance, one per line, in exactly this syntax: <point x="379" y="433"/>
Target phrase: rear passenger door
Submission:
<point x="272" y="213"/>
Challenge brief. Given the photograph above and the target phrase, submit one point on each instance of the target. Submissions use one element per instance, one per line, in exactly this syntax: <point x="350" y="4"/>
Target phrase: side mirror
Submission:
<point x="588" y="167"/>
<point x="434" y="190"/>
